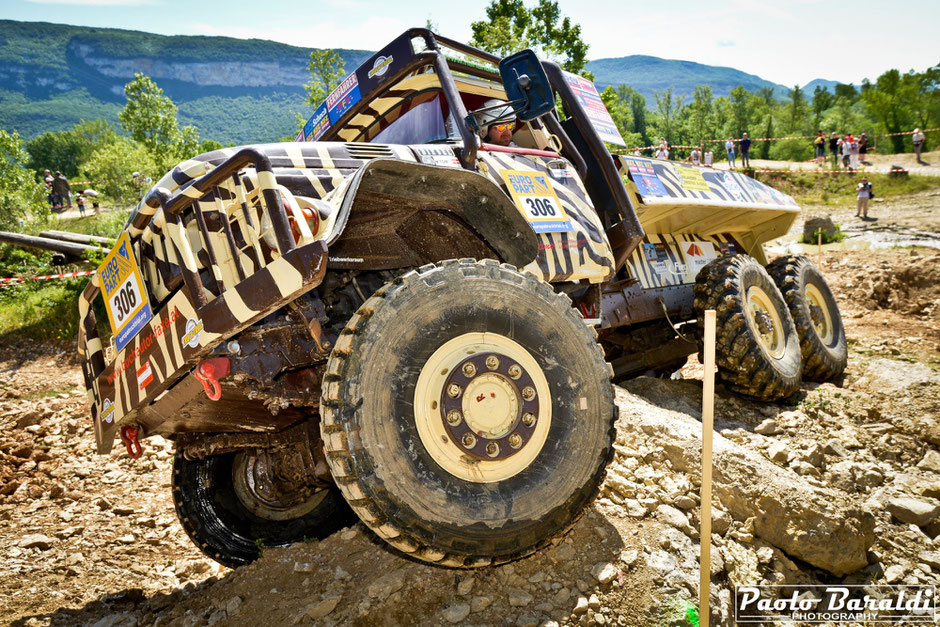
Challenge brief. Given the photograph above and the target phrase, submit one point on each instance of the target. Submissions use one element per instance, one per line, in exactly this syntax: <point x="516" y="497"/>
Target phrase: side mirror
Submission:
<point x="526" y="85"/>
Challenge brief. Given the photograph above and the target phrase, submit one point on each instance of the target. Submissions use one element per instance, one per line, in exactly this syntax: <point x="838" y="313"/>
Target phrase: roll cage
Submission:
<point x="362" y="99"/>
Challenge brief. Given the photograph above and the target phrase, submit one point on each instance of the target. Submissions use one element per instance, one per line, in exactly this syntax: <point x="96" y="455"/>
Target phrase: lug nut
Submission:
<point x="492" y="363"/>
<point x="528" y="419"/>
<point x="515" y="440"/>
<point x="492" y="449"/>
<point x="468" y="440"/>
<point x="469" y="370"/>
<point x="528" y="392"/>
<point x="454" y="390"/>
<point x="515" y="371"/>
<point x="454" y="417"/>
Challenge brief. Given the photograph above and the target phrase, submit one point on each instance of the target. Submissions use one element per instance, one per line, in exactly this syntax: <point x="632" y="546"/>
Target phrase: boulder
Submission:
<point x="819" y="223"/>
<point x="913" y="511"/>
<point x="815" y="524"/>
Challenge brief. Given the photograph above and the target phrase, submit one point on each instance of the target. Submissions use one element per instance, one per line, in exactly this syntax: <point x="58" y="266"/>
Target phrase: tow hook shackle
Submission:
<point x="209" y="372"/>
<point x="129" y="436"/>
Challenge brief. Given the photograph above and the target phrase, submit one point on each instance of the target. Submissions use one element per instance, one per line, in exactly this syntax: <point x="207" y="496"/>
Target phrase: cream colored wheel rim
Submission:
<point x="821" y="318"/>
<point x="766" y="321"/>
<point x="498" y="413"/>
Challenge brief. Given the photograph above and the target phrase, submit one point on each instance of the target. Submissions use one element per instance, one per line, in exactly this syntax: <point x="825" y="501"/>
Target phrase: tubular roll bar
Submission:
<point x="173" y="206"/>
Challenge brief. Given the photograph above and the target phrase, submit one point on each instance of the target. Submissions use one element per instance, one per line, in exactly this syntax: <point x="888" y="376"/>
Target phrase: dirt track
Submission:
<point x="85" y="538"/>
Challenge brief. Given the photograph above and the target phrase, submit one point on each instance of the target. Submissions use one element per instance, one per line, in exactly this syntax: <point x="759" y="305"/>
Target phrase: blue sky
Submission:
<point x="787" y="41"/>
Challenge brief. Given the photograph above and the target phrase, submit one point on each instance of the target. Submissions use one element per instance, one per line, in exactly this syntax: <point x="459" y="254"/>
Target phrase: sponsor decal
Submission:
<point x="107" y="411"/>
<point x="692" y="179"/>
<point x="143" y="345"/>
<point x="655" y="252"/>
<point x="731" y="186"/>
<point x="536" y="199"/>
<point x="347" y="259"/>
<point x="645" y="178"/>
<point x="193" y="329"/>
<point x="727" y="248"/>
<point x="380" y="67"/>
<point x="144" y="375"/>
<point x="124" y="295"/>
<point x="343" y="98"/>
<point x="697" y="255"/>
<point x="319" y="123"/>
<point x="838" y="603"/>
<point x="440" y="156"/>
<point x="586" y="93"/>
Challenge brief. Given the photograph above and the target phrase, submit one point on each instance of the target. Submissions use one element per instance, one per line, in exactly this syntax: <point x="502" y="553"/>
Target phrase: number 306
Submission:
<point x="126" y="299"/>
<point x="540" y="207"/>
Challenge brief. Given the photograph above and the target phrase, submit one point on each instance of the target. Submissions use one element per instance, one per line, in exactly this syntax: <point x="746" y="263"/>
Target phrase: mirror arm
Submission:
<point x="468" y="156"/>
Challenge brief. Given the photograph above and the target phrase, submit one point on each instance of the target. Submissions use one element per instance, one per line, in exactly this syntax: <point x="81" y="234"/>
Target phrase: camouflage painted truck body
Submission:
<point x="263" y="264"/>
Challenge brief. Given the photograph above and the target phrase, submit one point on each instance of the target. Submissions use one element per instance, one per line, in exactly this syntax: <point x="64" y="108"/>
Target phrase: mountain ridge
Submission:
<point x="235" y="90"/>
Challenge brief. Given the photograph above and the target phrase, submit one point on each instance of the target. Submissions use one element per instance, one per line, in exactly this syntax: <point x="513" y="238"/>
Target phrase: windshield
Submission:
<point x="421" y="124"/>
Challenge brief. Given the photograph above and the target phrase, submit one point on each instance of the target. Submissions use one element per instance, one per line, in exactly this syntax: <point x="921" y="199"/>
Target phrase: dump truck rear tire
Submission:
<point x="217" y="519"/>
<point x="815" y="314"/>
<point x="757" y="347"/>
<point x="468" y="414"/>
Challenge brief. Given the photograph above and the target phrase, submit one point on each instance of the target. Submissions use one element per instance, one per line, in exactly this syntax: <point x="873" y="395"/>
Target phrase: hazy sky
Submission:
<point x="789" y="41"/>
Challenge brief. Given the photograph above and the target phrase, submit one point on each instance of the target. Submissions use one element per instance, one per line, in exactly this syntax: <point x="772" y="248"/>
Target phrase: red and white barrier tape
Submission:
<point x="67" y="275"/>
<point x="833" y="171"/>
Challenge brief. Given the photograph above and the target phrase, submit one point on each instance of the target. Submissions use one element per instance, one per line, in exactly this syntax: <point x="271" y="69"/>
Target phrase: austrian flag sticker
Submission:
<point x="144" y="375"/>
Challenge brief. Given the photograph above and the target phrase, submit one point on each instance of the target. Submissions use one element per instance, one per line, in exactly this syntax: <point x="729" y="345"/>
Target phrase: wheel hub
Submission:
<point x="819" y="314"/>
<point x="490" y="406"/>
<point x="265" y="492"/>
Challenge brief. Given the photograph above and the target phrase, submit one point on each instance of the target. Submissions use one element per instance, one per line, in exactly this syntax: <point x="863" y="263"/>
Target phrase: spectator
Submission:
<point x="820" y="144"/>
<point x="745" y="145"/>
<point x="864" y="194"/>
<point x="709" y="158"/>
<point x="846" y="157"/>
<point x="90" y="193"/>
<point x="729" y="148"/>
<point x="636" y="152"/>
<point x="47" y="181"/>
<point x="80" y="201"/>
<point x="62" y="190"/>
<point x="834" y="149"/>
<point x="853" y="153"/>
<point x="918" y="138"/>
<point x="663" y="149"/>
<point x="863" y="149"/>
<point x="695" y="156"/>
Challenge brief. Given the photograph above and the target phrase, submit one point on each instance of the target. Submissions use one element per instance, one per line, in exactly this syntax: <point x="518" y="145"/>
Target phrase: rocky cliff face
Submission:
<point x="284" y="72"/>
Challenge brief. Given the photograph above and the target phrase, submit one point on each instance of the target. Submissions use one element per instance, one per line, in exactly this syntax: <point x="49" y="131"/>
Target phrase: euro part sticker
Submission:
<point x="125" y="298"/>
<point x="534" y="195"/>
<point x="691" y="178"/>
<point x="343" y="98"/>
<point x="107" y="411"/>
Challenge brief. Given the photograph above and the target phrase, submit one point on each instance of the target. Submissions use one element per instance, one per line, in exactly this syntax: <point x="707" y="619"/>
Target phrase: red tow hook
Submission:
<point x="209" y="372"/>
<point x="129" y="436"/>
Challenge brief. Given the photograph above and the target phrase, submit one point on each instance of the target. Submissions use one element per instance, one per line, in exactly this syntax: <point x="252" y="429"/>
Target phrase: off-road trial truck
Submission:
<point x="391" y="314"/>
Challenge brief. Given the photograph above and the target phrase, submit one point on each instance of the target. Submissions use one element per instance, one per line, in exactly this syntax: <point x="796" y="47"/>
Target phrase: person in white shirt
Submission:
<point x="729" y="148"/>
<point x="709" y="158"/>
<point x="864" y="194"/>
<point x="696" y="156"/>
<point x="918" y="138"/>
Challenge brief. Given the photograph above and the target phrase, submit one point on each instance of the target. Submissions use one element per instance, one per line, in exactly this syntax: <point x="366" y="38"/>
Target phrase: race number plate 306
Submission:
<point x="124" y="295"/>
<point x="534" y="195"/>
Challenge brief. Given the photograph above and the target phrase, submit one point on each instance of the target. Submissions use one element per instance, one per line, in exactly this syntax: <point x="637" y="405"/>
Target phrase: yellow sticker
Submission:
<point x="692" y="178"/>
<point x="125" y="298"/>
<point x="536" y="199"/>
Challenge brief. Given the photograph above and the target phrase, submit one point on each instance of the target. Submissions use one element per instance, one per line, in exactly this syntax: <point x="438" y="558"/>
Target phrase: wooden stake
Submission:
<point x="708" y="412"/>
<point x="819" y="243"/>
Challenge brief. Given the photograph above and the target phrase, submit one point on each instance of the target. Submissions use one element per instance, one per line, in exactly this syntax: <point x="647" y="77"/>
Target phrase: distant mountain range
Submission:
<point x="234" y="90"/>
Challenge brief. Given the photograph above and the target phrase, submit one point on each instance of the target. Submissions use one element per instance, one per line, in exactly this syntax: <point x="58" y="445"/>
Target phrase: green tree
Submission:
<point x="668" y="110"/>
<point x="796" y="110"/>
<point x="114" y="166"/>
<point x="21" y="196"/>
<point x="823" y="100"/>
<point x="740" y="99"/>
<point x="327" y="70"/>
<point x="701" y="119"/>
<point x="67" y="150"/>
<point x="886" y="102"/>
<point x="150" y="118"/>
<point x="509" y="27"/>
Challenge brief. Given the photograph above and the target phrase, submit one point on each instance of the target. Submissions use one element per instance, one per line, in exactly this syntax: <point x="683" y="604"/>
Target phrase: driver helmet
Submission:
<point x="496" y="113"/>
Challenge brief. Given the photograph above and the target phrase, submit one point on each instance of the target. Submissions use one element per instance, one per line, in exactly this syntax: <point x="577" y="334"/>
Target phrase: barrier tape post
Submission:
<point x="708" y="409"/>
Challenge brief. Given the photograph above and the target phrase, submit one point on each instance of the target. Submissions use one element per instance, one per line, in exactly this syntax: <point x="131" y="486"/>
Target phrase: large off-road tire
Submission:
<point x="757" y="349"/>
<point x="467" y="413"/>
<point x="815" y="314"/>
<point x="232" y="526"/>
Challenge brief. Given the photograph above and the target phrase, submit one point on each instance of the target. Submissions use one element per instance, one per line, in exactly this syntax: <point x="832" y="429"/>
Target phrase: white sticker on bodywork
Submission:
<point x="697" y="255"/>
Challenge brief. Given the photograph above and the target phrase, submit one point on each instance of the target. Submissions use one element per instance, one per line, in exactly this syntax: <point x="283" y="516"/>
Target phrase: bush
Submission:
<point x="113" y="166"/>
<point x="792" y="150"/>
<point x="21" y="196"/>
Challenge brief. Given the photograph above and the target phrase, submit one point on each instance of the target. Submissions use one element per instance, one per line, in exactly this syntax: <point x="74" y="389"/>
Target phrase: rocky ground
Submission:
<point x="840" y="483"/>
